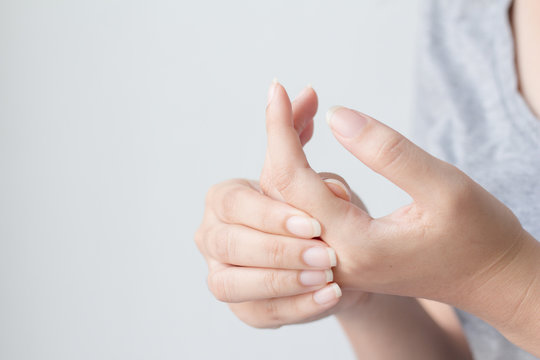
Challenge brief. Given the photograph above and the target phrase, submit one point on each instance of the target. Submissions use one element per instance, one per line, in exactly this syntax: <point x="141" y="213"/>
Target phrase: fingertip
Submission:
<point x="330" y="113"/>
<point x="271" y="91"/>
<point x="309" y="90"/>
<point x="348" y="124"/>
<point x="328" y="295"/>
<point x="306" y="91"/>
<point x="278" y="100"/>
<point x="337" y="290"/>
<point x="303" y="226"/>
<point x="332" y="256"/>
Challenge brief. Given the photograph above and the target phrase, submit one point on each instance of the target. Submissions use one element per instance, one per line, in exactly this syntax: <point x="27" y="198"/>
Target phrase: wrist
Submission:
<point x="509" y="296"/>
<point x="401" y="322"/>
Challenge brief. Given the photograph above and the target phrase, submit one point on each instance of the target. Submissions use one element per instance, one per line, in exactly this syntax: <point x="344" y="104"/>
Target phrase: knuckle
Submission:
<point x="265" y="182"/>
<point x="199" y="238"/>
<point x="220" y="286"/>
<point x="272" y="283"/>
<point x="254" y="314"/>
<point x="211" y="194"/>
<point x="265" y="179"/>
<point x="283" y="178"/>
<point x="277" y="252"/>
<point x="229" y="204"/>
<point x="223" y="198"/>
<point x="271" y="313"/>
<point x="267" y="219"/>
<point x="463" y="188"/>
<point x="390" y="151"/>
<point x="299" y="309"/>
<point x="458" y="192"/>
<point x="223" y="243"/>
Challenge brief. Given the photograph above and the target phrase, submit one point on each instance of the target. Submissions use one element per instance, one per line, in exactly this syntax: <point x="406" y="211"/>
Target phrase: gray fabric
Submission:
<point x="470" y="113"/>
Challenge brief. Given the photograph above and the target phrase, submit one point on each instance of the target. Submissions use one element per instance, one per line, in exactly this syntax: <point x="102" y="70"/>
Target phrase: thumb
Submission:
<point x="387" y="152"/>
<point x="287" y="175"/>
<point x="304" y="107"/>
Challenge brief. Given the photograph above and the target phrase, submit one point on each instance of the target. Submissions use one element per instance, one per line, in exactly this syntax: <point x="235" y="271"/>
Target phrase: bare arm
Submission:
<point x="455" y="243"/>
<point x="393" y="327"/>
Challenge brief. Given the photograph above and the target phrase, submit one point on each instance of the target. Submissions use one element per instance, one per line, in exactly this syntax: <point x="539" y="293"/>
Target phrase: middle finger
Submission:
<point x="243" y="246"/>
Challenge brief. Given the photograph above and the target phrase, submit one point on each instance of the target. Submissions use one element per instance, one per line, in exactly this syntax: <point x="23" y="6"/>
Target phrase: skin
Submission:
<point x="429" y="331"/>
<point x="455" y="243"/>
<point x="473" y="250"/>
<point x="524" y="17"/>
<point x="237" y="206"/>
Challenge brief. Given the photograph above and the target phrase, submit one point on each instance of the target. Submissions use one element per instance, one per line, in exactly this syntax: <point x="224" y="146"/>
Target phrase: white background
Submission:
<point x="115" y="118"/>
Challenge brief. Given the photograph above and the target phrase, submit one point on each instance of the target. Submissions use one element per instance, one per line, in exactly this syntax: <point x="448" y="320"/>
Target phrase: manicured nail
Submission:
<point x="303" y="226"/>
<point x="327" y="294"/>
<point x="310" y="277"/>
<point x="271" y="91"/>
<point x="345" y="122"/>
<point x="344" y="191"/>
<point x="319" y="256"/>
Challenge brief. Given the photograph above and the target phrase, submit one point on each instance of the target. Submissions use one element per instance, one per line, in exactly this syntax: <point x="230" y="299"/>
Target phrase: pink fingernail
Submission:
<point x="327" y="294"/>
<point x="310" y="277"/>
<point x="345" y="122"/>
<point x="303" y="226"/>
<point x="271" y="91"/>
<point x="321" y="257"/>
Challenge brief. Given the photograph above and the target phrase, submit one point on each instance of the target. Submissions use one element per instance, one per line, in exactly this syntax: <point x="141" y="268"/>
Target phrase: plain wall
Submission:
<point x="116" y="116"/>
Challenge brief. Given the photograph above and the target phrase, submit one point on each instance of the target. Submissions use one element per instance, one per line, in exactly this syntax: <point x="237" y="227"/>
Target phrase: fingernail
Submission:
<point x="310" y="277"/>
<point x="303" y="226"/>
<point x="319" y="256"/>
<point x="345" y="194"/>
<point x="346" y="123"/>
<point x="327" y="294"/>
<point x="271" y="91"/>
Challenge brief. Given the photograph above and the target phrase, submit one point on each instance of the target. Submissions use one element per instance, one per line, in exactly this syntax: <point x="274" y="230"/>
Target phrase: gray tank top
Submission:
<point x="469" y="112"/>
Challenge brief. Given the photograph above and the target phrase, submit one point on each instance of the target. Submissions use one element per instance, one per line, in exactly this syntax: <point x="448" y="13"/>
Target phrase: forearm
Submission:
<point x="392" y="327"/>
<point x="509" y="298"/>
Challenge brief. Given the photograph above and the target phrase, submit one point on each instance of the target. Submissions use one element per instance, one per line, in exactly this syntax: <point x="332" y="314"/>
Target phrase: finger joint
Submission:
<point x="220" y="286"/>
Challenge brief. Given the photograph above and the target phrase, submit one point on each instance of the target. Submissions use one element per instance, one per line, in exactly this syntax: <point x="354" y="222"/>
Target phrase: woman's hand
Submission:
<point x="258" y="263"/>
<point x="261" y="254"/>
<point x="455" y="243"/>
